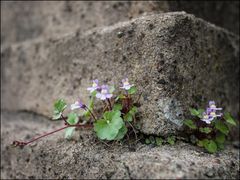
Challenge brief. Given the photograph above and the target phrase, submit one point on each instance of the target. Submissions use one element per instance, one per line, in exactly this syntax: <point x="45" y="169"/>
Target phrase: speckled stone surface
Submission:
<point x="85" y="157"/>
<point x="26" y="20"/>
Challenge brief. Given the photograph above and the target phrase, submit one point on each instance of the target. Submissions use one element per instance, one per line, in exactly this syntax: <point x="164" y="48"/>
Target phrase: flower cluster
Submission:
<point x="103" y="92"/>
<point x="209" y="127"/>
<point x="211" y="112"/>
<point x="95" y="86"/>
<point x="126" y="84"/>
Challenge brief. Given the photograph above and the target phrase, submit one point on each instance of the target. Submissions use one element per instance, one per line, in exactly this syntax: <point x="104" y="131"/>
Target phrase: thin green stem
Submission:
<point x="93" y="116"/>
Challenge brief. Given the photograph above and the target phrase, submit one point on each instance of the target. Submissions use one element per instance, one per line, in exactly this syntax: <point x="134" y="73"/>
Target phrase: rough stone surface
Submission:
<point x="175" y="59"/>
<point x="222" y="13"/>
<point x="28" y="20"/>
<point x="87" y="158"/>
<point x="32" y="19"/>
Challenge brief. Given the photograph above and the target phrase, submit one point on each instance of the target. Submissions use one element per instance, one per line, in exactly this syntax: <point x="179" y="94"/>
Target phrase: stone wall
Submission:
<point x="175" y="59"/>
<point x="53" y="50"/>
<point x="28" y="20"/>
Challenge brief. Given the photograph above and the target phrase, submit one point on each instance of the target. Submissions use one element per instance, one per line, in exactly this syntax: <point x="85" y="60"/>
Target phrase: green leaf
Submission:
<point x="72" y="118"/>
<point x="128" y="117"/>
<point x="111" y="89"/>
<point x="190" y="124"/>
<point x="229" y="119"/>
<point x="69" y="132"/>
<point x="56" y="115"/>
<point x="121" y="133"/>
<point x="220" y="138"/>
<point x="210" y="146"/>
<point x="159" y="141"/>
<point x="205" y="130"/>
<point x="220" y="146"/>
<point x="152" y="139"/>
<point x="200" y="112"/>
<point x="108" y="115"/>
<point x="171" y="140"/>
<point x="200" y="143"/>
<point x="147" y="141"/>
<point x="194" y="112"/>
<point x="221" y="127"/>
<point x="60" y="105"/>
<point x="133" y="110"/>
<point x="121" y="96"/>
<point x="132" y="90"/>
<point x="109" y="127"/>
<point x="116" y="114"/>
<point x="117" y="107"/>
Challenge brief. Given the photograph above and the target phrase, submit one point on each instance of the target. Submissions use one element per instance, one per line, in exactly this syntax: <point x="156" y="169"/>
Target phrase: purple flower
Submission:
<point x="206" y="118"/>
<point x="126" y="84"/>
<point x="78" y="105"/>
<point x="104" y="93"/>
<point x="210" y="113"/>
<point x="95" y="86"/>
<point x="212" y="106"/>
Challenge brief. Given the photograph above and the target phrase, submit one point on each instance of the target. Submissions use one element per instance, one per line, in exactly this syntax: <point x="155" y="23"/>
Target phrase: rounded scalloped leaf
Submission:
<point x="221" y="127"/>
<point x="69" y="132"/>
<point x="60" y="105"/>
<point x="109" y="127"/>
<point x="121" y="133"/>
<point x="72" y="118"/>
<point x="190" y="124"/>
<point x="211" y="146"/>
<point x="229" y="119"/>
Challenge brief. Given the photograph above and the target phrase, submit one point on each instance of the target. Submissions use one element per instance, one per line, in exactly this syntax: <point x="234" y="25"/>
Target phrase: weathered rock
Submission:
<point x="221" y="13"/>
<point x="28" y="20"/>
<point x="88" y="158"/>
<point x="175" y="59"/>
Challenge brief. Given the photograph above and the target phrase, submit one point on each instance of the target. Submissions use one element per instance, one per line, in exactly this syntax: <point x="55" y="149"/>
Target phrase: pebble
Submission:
<point x="120" y="34"/>
<point x="210" y="173"/>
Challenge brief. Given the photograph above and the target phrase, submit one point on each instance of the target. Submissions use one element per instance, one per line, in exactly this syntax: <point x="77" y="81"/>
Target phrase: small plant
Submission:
<point x="209" y="128"/>
<point x="113" y="121"/>
<point x="158" y="141"/>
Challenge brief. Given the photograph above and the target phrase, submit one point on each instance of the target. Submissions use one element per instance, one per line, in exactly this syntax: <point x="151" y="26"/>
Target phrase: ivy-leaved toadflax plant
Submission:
<point x="209" y="127"/>
<point x="116" y="118"/>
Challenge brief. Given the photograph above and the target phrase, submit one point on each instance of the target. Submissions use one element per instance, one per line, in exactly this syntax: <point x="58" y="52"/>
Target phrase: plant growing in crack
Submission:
<point x="209" y="128"/>
<point x="116" y="118"/>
